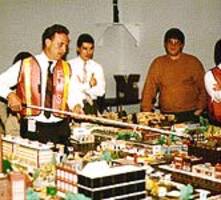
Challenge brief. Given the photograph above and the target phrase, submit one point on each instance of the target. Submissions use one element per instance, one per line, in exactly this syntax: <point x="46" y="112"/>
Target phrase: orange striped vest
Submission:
<point x="29" y="86"/>
<point x="214" y="108"/>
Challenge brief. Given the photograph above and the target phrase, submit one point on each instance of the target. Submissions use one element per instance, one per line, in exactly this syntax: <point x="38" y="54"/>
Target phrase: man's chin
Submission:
<point x="59" y="57"/>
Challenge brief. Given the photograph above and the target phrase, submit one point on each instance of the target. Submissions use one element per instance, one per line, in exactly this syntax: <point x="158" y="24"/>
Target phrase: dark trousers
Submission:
<point x="187" y="116"/>
<point x="98" y="106"/>
<point x="57" y="133"/>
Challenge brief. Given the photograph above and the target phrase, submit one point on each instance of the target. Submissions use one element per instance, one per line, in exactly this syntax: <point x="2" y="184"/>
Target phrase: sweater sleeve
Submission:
<point x="150" y="88"/>
<point x="202" y="97"/>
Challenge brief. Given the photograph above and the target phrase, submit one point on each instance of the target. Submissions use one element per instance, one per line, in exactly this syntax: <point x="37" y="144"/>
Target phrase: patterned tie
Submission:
<point x="84" y="79"/>
<point x="49" y="90"/>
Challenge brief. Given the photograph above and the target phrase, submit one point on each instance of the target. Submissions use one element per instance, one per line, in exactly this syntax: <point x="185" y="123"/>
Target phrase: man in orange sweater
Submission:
<point x="178" y="78"/>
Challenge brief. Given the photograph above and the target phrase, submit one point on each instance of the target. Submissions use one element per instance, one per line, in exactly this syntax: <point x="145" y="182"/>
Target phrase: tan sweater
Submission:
<point x="179" y="82"/>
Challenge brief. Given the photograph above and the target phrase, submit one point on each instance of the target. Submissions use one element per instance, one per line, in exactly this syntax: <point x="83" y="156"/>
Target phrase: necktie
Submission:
<point x="49" y="90"/>
<point x="84" y="73"/>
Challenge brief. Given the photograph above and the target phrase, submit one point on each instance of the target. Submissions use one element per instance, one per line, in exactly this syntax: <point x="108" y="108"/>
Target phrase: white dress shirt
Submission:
<point x="9" y="78"/>
<point x="93" y="69"/>
<point x="210" y="82"/>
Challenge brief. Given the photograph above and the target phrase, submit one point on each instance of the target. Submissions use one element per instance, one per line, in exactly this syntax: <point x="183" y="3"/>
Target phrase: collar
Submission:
<point x="45" y="57"/>
<point x="82" y="61"/>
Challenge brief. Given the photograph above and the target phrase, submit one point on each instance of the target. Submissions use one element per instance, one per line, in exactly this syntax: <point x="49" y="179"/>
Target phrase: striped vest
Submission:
<point x="29" y="86"/>
<point x="214" y="108"/>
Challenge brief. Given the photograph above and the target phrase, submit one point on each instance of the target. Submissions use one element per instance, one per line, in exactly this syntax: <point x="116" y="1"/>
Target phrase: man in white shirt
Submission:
<point x="87" y="74"/>
<point x="213" y="87"/>
<point x="31" y="79"/>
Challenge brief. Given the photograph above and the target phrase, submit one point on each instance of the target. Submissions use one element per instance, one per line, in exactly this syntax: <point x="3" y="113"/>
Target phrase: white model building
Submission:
<point x="25" y="152"/>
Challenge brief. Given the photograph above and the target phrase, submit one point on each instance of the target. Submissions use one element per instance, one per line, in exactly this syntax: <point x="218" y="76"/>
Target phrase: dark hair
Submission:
<point x="21" y="56"/>
<point x="84" y="37"/>
<point x="174" y="33"/>
<point x="50" y="32"/>
<point x="217" y="52"/>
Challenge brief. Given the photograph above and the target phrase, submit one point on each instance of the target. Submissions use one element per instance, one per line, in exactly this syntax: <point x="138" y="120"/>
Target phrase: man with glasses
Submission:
<point x="178" y="79"/>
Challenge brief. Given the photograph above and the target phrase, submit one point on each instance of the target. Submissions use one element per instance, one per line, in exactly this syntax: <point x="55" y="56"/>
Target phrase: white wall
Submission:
<point x="23" y="21"/>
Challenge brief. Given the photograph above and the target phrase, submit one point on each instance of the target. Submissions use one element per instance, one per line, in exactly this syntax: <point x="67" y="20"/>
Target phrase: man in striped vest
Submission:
<point x="31" y="77"/>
